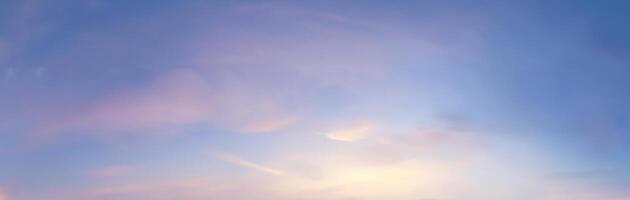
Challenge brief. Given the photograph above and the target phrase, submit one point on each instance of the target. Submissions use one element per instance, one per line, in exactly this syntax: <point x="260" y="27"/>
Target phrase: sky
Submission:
<point x="314" y="100"/>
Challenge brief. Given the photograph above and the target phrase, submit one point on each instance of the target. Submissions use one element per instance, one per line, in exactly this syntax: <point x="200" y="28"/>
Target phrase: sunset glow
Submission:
<point x="314" y="100"/>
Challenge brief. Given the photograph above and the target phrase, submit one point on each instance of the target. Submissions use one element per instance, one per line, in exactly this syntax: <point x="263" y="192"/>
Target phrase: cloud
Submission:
<point x="112" y="171"/>
<point x="351" y="132"/>
<point x="385" y="144"/>
<point x="431" y="138"/>
<point x="342" y="176"/>
<point x="439" y="162"/>
<point x="345" y="179"/>
<point x="268" y="125"/>
<point x="190" y="188"/>
<point x="246" y="78"/>
<point x="179" y="98"/>
<point x="314" y="47"/>
<point x="246" y="164"/>
<point x="3" y="195"/>
<point x="319" y="61"/>
<point x="342" y="179"/>
<point x="345" y="173"/>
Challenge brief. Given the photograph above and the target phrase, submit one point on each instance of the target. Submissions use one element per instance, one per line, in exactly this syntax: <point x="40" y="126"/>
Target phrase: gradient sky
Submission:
<point x="314" y="100"/>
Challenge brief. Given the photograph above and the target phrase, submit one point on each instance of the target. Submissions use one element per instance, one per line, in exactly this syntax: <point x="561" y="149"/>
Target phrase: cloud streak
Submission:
<point x="351" y="133"/>
<point x="179" y="98"/>
<point x="246" y="164"/>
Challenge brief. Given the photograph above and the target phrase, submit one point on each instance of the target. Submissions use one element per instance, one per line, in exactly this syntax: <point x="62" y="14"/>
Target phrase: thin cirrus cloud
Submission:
<point x="351" y="173"/>
<point x="3" y="195"/>
<point x="112" y="171"/>
<point x="350" y="93"/>
<point x="341" y="180"/>
<point x="343" y="175"/>
<point x="416" y="173"/>
<point x="269" y="125"/>
<point x="244" y="163"/>
<point x="233" y="99"/>
<point x="351" y="132"/>
<point x="325" y="48"/>
<point x="193" y="188"/>
<point x="227" y="85"/>
<point x="179" y="98"/>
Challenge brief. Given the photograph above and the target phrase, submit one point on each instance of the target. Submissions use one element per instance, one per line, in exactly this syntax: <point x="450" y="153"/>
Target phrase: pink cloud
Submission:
<point x="230" y="85"/>
<point x="112" y="171"/>
<point x="267" y="125"/>
<point x="328" y="48"/>
<point x="190" y="188"/>
<point x="180" y="97"/>
<point x="383" y="145"/>
<point x="3" y="195"/>
<point x="233" y="159"/>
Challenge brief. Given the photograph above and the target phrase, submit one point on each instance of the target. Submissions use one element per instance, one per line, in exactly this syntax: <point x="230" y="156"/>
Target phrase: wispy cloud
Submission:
<point x="179" y="98"/>
<point x="3" y="195"/>
<point x="270" y="124"/>
<point x="351" y="132"/>
<point x="112" y="171"/>
<point x="192" y="188"/>
<point x="233" y="159"/>
<point x="306" y="73"/>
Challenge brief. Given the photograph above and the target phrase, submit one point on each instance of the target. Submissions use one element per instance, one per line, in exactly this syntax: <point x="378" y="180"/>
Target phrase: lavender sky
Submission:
<point x="314" y="100"/>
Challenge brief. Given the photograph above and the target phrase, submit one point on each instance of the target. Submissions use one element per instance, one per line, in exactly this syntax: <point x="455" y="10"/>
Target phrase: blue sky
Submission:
<point x="332" y="100"/>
